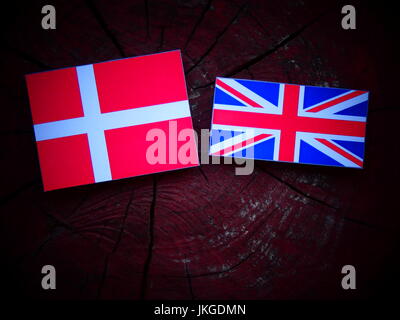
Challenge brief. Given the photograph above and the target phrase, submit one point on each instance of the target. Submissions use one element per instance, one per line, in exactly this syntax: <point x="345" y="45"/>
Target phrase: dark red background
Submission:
<point x="283" y="232"/>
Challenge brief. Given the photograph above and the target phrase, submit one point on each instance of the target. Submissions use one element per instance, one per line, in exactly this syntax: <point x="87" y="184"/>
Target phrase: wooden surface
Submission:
<point x="283" y="232"/>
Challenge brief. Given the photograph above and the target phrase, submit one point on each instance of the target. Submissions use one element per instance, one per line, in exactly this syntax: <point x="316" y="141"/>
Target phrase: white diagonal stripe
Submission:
<point x="330" y="99"/>
<point x="243" y="109"/>
<point x="248" y="93"/>
<point x="252" y="144"/>
<point x="329" y="152"/>
<point x="312" y="135"/>
<point x="226" y="143"/>
<point x="346" y="104"/>
<point x="247" y="134"/>
<point x="341" y="105"/>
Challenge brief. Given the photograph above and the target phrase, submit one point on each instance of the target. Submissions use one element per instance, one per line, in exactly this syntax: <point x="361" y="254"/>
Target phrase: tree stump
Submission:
<point x="283" y="232"/>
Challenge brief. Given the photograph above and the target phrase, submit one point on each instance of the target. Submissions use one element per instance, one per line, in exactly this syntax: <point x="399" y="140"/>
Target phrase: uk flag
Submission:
<point x="92" y="122"/>
<point x="291" y="123"/>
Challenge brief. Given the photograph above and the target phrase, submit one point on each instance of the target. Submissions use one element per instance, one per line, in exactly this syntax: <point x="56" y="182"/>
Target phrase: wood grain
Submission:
<point x="283" y="232"/>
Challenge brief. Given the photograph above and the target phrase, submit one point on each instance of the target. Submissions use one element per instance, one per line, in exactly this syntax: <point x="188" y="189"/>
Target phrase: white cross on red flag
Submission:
<point x="92" y="122"/>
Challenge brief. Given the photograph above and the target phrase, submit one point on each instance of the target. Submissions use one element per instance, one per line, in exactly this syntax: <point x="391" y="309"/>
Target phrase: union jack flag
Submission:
<point x="286" y="122"/>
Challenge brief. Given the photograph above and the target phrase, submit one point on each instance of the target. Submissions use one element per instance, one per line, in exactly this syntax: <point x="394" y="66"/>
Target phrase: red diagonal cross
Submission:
<point x="289" y="122"/>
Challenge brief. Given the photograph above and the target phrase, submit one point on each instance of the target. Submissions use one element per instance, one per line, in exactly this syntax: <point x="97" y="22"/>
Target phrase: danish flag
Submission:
<point x="91" y="121"/>
<point x="291" y="123"/>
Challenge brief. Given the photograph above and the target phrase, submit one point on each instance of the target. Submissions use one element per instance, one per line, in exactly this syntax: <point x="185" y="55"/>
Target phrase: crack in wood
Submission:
<point x="250" y="73"/>
<point x="103" y="276"/>
<point x="61" y="222"/>
<point x="27" y="57"/>
<point x="100" y="20"/>
<point x="35" y="252"/>
<point x="203" y="72"/>
<point x="5" y="199"/>
<point x="297" y="190"/>
<point x="276" y="47"/>
<point x="161" y="44"/>
<point x="202" y="15"/>
<point x="217" y="39"/>
<point x="147" y="14"/>
<point x="189" y="279"/>
<point x="52" y="235"/>
<point x="268" y="52"/>
<point x="241" y="261"/>
<point x="203" y="174"/>
<point x="80" y="203"/>
<point x="147" y="263"/>
<point x="258" y="23"/>
<point x="366" y="224"/>
<point x="115" y="246"/>
<point x="123" y="222"/>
